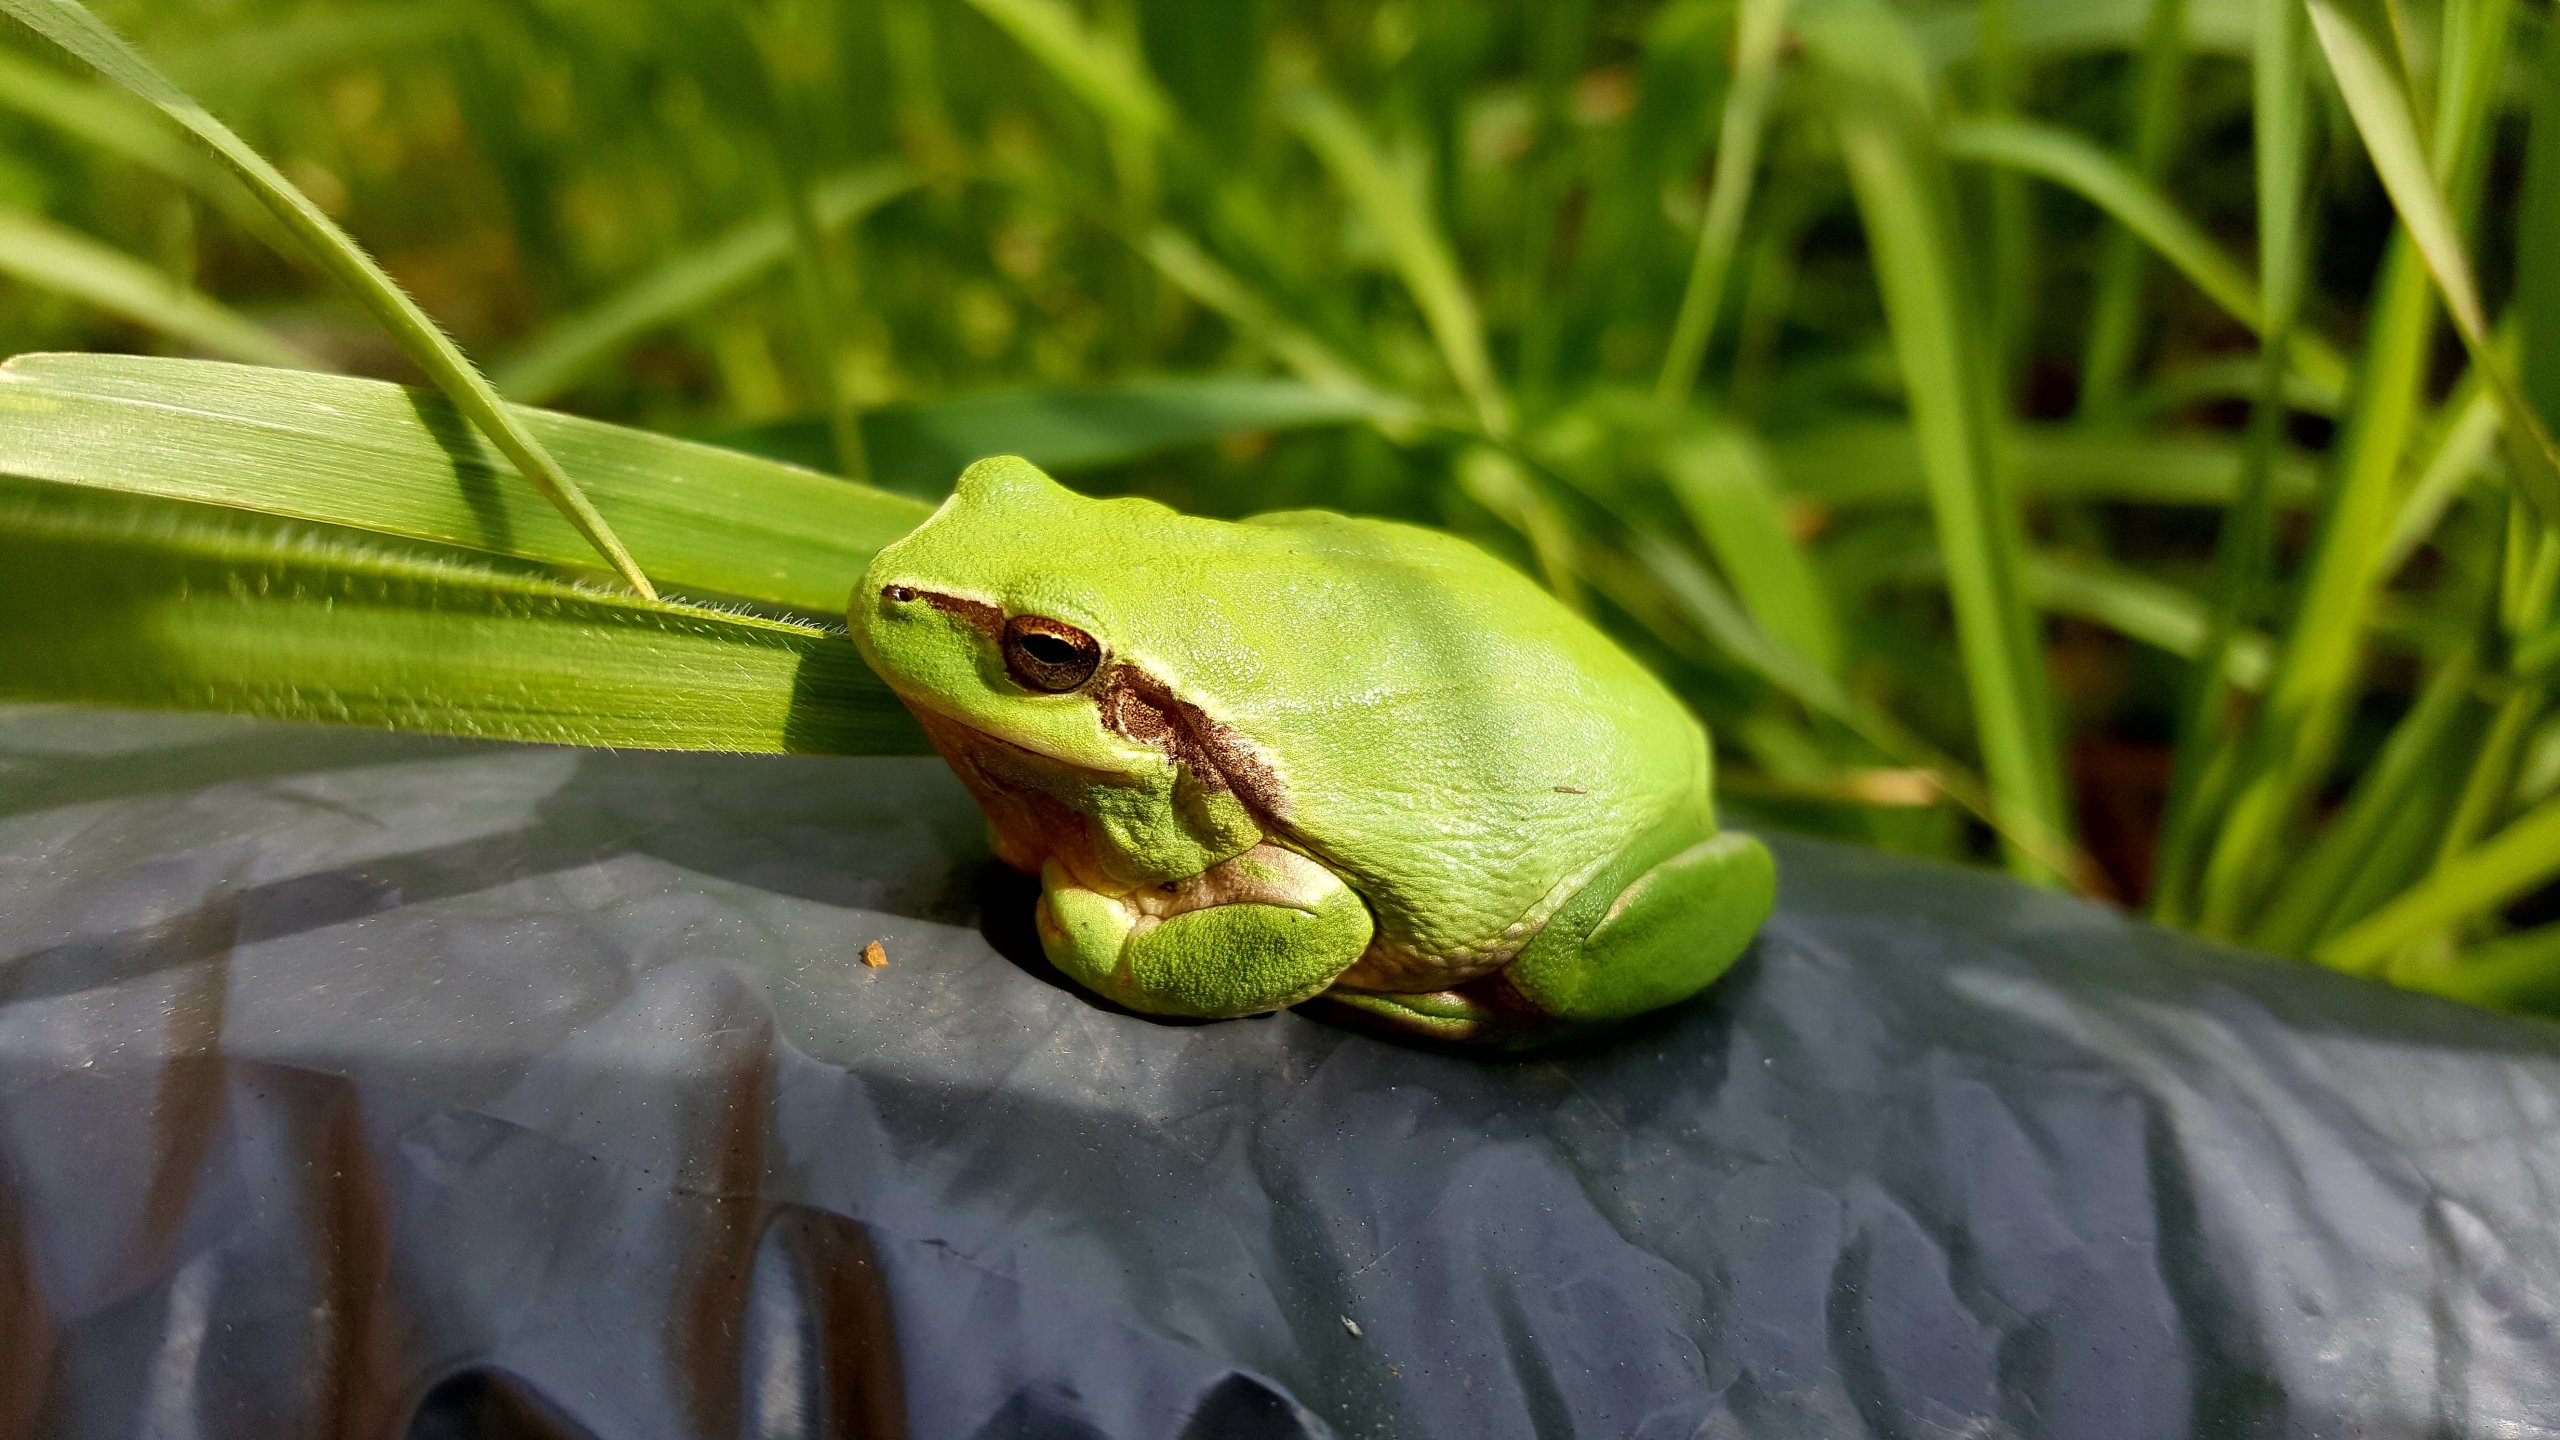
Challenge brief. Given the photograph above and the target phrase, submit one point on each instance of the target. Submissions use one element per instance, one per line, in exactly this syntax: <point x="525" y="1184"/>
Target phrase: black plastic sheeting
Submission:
<point x="354" y="1085"/>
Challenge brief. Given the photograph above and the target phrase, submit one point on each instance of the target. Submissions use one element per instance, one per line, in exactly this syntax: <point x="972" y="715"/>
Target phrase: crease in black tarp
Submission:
<point x="359" y="1085"/>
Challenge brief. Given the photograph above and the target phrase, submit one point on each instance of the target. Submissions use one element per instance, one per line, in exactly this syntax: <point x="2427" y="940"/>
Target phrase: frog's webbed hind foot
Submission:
<point x="1664" y="937"/>
<point x="1483" y="1014"/>
<point x="1621" y="947"/>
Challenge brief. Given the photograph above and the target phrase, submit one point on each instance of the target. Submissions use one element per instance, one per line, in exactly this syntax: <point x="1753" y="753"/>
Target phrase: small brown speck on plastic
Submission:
<point x="874" y="955"/>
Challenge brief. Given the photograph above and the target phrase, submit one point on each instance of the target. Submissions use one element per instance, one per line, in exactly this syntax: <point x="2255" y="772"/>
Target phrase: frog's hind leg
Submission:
<point x="1665" y="936"/>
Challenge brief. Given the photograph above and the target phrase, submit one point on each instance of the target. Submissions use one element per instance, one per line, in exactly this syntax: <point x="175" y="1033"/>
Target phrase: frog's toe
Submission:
<point x="1481" y="1014"/>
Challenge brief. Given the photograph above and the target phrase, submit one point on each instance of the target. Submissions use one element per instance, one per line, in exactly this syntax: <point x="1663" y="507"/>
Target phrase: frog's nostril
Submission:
<point x="898" y="593"/>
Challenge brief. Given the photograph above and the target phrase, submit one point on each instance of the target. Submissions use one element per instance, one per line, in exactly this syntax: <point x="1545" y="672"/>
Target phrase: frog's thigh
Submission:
<point x="1672" y="930"/>
<point x="1264" y="930"/>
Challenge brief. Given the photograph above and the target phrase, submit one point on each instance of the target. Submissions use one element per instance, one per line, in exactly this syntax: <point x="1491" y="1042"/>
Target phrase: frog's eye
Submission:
<point x="898" y="594"/>
<point x="1049" y="655"/>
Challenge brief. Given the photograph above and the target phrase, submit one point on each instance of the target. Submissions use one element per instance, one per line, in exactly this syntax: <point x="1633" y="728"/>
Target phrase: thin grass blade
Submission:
<point x="2140" y="607"/>
<point x="2116" y="312"/>
<point x="2077" y="165"/>
<point x="2294" y="737"/>
<point x="2520" y="972"/>
<point x="52" y="257"/>
<point x="106" y="118"/>
<point x="2509" y="864"/>
<point x="1695" y="596"/>
<point x="1103" y="75"/>
<point x="686" y="283"/>
<point x="921" y="448"/>
<point x="1725" y="482"/>
<point x="1197" y="274"/>
<point x="2383" y="118"/>
<point x="1759" y="27"/>
<point x="1880" y="107"/>
<point x="1395" y="207"/>
<point x="1868" y="463"/>
<point x="69" y="24"/>
<point x="2307" y="904"/>
<point x="2205" y="756"/>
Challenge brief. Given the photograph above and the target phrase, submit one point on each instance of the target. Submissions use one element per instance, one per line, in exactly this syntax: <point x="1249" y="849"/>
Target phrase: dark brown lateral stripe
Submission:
<point x="1136" y="705"/>
<point x="977" y="614"/>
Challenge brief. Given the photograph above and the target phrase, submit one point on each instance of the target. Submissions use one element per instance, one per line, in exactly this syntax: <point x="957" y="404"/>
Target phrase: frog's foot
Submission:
<point x="1639" y="936"/>
<point x="1264" y="930"/>
<point x="1483" y="1013"/>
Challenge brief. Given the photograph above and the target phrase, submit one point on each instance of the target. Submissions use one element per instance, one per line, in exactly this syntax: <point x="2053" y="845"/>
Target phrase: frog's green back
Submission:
<point x="1448" y="737"/>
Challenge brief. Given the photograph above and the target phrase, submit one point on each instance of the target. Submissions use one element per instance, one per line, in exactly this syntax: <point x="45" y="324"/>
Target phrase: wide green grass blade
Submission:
<point x="1880" y="107"/>
<point x="1759" y="27"/>
<point x="1726" y="484"/>
<point x="69" y="24"/>
<point x="372" y="456"/>
<point x="1393" y="202"/>
<point x="2382" y="116"/>
<point x="2077" y="165"/>
<point x="921" y="448"/>
<point x="2509" y="864"/>
<point x="126" y="600"/>
<point x="686" y="283"/>
<point x="50" y="257"/>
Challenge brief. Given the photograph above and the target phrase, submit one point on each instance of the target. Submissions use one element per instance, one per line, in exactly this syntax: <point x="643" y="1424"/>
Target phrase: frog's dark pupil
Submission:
<point x="899" y="593"/>
<point x="1050" y="656"/>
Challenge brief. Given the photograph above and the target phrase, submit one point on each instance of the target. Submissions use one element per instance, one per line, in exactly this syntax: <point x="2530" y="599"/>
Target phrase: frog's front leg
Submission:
<point x="1263" y="930"/>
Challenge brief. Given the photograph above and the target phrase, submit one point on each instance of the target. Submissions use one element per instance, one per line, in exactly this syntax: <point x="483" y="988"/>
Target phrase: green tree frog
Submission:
<point x="1306" y="755"/>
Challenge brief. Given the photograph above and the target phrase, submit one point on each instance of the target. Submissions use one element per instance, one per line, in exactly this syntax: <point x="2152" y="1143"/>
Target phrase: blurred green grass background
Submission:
<point x="2025" y="430"/>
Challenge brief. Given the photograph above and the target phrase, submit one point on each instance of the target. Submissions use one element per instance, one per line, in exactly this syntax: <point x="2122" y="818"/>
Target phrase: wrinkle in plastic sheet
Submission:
<point x="362" y="1086"/>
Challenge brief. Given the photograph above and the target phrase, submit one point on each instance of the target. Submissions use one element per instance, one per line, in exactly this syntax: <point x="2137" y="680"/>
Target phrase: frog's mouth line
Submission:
<point x="948" y="731"/>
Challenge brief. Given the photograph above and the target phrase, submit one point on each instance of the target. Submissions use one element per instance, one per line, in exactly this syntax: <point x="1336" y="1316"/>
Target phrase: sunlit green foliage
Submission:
<point x="2026" y="431"/>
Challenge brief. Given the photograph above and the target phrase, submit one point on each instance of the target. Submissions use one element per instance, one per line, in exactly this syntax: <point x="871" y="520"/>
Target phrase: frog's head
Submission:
<point x="1006" y="613"/>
